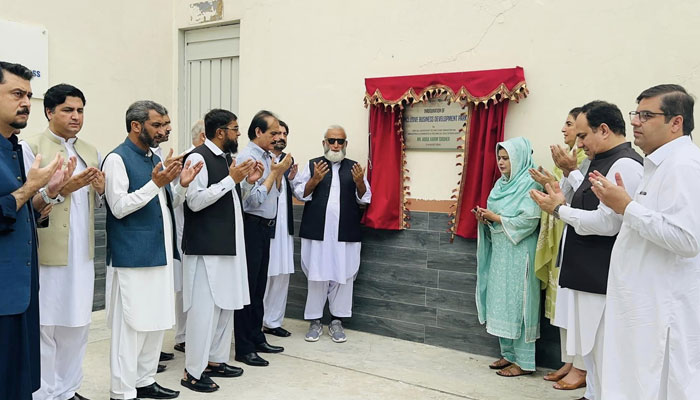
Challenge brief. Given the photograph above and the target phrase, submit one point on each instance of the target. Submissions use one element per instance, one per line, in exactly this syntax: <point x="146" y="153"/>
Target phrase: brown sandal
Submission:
<point x="508" y="372"/>
<point x="555" y="376"/>
<point x="561" y="385"/>
<point x="500" y="364"/>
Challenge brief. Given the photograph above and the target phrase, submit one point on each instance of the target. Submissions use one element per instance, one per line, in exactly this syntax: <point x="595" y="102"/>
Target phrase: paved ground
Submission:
<point x="365" y="367"/>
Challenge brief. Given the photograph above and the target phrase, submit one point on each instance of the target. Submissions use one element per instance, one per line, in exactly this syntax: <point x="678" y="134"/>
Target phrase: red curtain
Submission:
<point x="480" y="171"/>
<point x="384" y="171"/>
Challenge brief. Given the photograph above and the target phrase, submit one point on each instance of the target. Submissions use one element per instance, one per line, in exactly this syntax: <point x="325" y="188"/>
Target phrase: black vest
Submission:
<point x="212" y="230"/>
<point x="586" y="259"/>
<point x="314" y="217"/>
<point x="290" y="209"/>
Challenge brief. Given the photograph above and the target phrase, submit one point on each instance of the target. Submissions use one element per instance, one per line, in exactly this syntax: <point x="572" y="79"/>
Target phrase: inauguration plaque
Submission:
<point x="433" y="125"/>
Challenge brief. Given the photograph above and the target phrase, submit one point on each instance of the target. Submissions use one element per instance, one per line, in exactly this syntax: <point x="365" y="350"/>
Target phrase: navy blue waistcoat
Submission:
<point x="17" y="233"/>
<point x="137" y="239"/>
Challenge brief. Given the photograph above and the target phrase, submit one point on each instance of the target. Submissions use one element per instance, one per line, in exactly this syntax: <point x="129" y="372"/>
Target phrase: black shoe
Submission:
<point x="78" y="397"/>
<point x="161" y="368"/>
<point x="155" y="391"/>
<point x="252" y="359"/>
<point x="126" y="399"/>
<point x="223" y="370"/>
<point x="279" y="331"/>
<point x="166" y="356"/>
<point x="204" y="384"/>
<point x="179" y="347"/>
<point x="265" y="347"/>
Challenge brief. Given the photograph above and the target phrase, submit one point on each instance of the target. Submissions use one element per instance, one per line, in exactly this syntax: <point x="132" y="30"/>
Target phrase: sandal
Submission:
<point x="223" y="370"/>
<point x="204" y="384"/>
<point x="561" y="385"/>
<point x="508" y="372"/>
<point x="500" y="364"/>
<point x="556" y="375"/>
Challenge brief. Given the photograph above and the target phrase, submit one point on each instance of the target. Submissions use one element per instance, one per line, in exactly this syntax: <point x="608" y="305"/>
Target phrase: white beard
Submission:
<point x="335" y="156"/>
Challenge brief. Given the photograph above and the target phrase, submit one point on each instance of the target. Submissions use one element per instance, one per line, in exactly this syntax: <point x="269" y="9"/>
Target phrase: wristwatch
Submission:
<point x="555" y="213"/>
<point x="48" y="200"/>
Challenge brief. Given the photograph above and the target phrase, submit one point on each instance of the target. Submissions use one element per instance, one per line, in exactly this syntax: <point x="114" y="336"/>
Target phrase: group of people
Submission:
<point x="202" y="241"/>
<point x="614" y="239"/>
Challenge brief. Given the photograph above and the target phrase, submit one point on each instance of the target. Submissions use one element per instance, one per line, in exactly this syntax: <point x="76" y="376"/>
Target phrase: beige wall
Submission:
<point x="307" y="60"/>
<point x="115" y="52"/>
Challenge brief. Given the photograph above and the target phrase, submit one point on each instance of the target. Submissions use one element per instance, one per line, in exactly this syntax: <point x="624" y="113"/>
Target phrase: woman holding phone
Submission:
<point x="508" y="292"/>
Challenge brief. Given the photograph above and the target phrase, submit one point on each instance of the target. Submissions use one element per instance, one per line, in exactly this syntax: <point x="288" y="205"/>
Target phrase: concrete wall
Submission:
<point x="115" y="52"/>
<point x="307" y="61"/>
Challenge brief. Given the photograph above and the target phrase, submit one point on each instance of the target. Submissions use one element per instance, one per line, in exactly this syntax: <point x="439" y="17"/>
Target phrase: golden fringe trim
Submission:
<point x="464" y="155"/>
<point x="462" y="96"/>
<point x="405" y="179"/>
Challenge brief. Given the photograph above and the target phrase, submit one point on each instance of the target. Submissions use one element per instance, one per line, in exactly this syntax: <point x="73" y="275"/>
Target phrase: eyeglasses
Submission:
<point x="334" y="141"/>
<point x="645" y="116"/>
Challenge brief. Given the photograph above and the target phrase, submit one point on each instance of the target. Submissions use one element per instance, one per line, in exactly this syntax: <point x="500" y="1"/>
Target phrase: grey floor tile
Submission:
<point x="404" y="275"/>
<point x="457" y="281"/>
<point x="438" y="222"/>
<point x="391" y="291"/>
<point x="459" y="321"/>
<point x="471" y="342"/>
<point x="418" y="221"/>
<point x="458" y="262"/>
<point x="406" y="238"/>
<point x="459" y="245"/>
<point x="405" y="257"/>
<point x="398" y="311"/>
<point x="449" y="300"/>
<point x="386" y="327"/>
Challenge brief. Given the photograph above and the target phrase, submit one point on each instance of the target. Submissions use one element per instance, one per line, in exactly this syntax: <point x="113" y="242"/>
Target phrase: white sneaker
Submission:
<point x="315" y="331"/>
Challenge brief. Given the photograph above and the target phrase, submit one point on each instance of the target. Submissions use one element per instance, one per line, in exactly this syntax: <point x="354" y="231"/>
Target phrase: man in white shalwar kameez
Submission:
<point x="215" y="280"/>
<point x="140" y="241"/>
<point x="330" y="253"/>
<point x="281" y="264"/>
<point x="652" y="320"/>
<point x="66" y="254"/>
<point x="590" y="233"/>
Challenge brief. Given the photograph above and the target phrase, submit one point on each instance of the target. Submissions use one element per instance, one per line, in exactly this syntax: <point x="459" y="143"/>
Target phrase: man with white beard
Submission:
<point x="281" y="263"/>
<point x="330" y="232"/>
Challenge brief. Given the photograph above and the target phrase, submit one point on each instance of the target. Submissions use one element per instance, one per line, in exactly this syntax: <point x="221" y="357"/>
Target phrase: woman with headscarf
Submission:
<point x="508" y="292"/>
<point x="572" y="375"/>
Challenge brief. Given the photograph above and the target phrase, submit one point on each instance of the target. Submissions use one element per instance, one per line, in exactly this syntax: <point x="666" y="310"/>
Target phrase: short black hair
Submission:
<point x="575" y="112"/>
<point x="675" y="101"/>
<point x="57" y="95"/>
<point x="215" y="119"/>
<point x="259" y="121"/>
<point x="284" y="124"/>
<point x="15" y="69"/>
<point x="139" y="110"/>
<point x="601" y="112"/>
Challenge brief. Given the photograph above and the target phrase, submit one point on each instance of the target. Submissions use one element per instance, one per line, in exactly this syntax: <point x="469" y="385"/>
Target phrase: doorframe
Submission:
<point x="183" y="136"/>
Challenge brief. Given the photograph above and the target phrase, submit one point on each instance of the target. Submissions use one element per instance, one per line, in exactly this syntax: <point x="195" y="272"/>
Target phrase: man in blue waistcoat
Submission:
<point x="140" y="250"/>
<point x="19" y="280"/>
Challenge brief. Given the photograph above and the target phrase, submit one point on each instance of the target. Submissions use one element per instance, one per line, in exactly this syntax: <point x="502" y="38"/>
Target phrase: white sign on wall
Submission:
<point x="27" y="45"/>
<point x="433" y="125"/>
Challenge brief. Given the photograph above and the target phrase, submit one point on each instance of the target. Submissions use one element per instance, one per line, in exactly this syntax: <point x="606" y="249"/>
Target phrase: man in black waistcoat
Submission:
<point x="330" y="232"/>
<point x="215" y="279"/>
<point x="592" y="227"/>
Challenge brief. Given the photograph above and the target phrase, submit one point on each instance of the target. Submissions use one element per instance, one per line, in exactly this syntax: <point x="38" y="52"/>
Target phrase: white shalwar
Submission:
<point x="652" y="322"/>
<point x="281" y="263"/>
<point x="328" y="262"/>
<point x="65" y="298"/>
<point x="213" y="286"/>
<point x="142" y="299"/>
<point x="581" y="313"/>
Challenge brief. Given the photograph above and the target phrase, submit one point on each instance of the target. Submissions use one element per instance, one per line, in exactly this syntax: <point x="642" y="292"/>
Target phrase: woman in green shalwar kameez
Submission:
<point x="508" y="292"/>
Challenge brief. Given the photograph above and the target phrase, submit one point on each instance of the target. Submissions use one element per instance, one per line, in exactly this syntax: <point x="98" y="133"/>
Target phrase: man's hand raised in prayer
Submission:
<point x="282" y="166"/>
<point x="190" y="172"/>
<point x="162" y="177"/>
<point x="550" y="200"/>
<point x="612" y="195"/>
<point x="321" y="168"/>
<point x="562" y="159"/>
<point x="358" y="175"/>
<point x="238" y="172"/>
<point x="169" y="159"/>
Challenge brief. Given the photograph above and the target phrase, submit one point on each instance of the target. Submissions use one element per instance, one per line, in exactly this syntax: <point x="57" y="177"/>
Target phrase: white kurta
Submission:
<point x="227" y="275"/>
<point x="652" y="322"/>
<point x="146" y="294"/>
<point x="282" y="245"/>
<point x="330" y="259"/>
<point x="581" y="312"/>
<point x="65" y="298"/>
